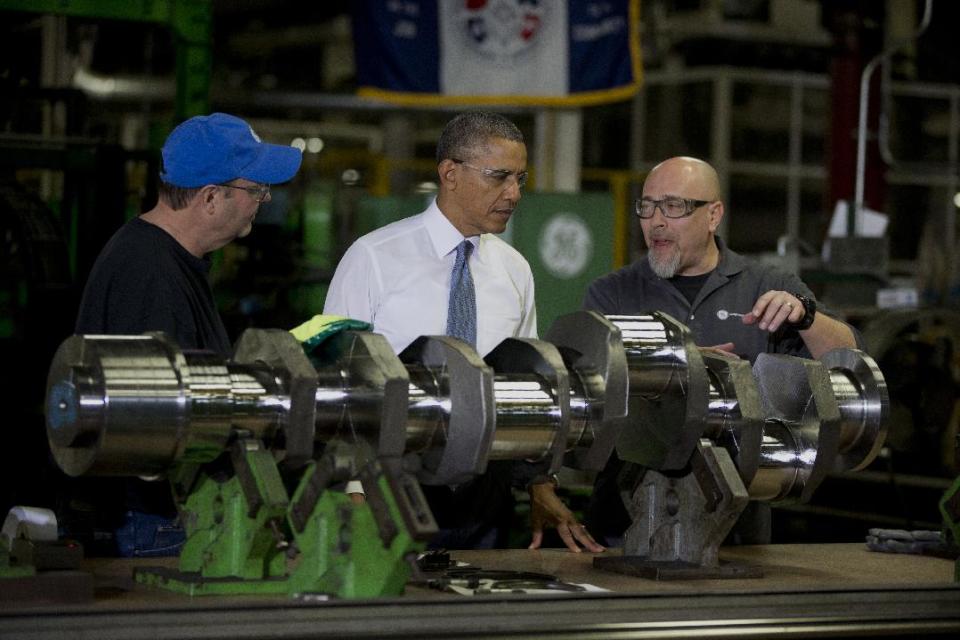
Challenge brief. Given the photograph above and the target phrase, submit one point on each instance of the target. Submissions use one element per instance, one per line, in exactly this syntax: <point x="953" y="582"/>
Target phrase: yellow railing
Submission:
<point x="620" y="182"/>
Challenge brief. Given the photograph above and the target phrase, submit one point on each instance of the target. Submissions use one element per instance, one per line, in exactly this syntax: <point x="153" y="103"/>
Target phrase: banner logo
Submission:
<point x="566" y="245"/>
<point x="502" y="28"/>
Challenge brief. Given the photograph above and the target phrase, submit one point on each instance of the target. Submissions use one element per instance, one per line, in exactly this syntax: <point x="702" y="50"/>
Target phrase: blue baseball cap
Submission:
<point x="218" y="148"/>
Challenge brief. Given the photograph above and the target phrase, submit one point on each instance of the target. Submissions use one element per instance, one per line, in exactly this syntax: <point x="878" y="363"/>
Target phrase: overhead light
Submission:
<point x="298" y="143"/>
<point x="314" y="145"/>
<point x="956" y="200"/>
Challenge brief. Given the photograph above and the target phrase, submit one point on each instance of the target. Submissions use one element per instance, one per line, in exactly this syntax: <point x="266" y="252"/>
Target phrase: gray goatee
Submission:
<point x="666" y="268"/>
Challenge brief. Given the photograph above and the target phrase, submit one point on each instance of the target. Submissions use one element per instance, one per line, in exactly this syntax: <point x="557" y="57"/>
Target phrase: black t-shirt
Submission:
<point x="144" y="280"/>
<point x="690" y="286"/>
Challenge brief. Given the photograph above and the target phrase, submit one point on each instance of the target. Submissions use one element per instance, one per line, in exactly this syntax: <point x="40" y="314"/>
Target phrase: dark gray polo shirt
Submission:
<point x="733" y="287"/>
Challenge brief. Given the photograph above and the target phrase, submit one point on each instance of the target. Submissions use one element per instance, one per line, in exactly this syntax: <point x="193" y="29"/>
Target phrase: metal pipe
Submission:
<point x="883" y="137"/>
<point x="853" y="220"/>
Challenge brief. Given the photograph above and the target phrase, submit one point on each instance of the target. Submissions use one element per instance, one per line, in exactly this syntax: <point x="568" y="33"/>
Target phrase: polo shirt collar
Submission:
<point x="731" y="263"/>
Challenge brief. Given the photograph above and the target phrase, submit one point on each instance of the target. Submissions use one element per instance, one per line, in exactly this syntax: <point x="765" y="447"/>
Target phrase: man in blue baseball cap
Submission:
<point x="152" y="276"/>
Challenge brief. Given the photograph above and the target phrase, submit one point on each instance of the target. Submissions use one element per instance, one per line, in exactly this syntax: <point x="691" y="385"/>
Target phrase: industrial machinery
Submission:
<point x="770" y="433"/>
<point x="232" y="436"/>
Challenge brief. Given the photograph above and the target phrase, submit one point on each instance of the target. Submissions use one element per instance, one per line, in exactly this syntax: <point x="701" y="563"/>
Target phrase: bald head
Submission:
<point x="683" y="177"/>
<point x="684" y="243"/>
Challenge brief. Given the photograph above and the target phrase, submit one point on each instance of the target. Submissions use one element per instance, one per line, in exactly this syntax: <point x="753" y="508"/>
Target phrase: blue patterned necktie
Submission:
<point x="462" y="305"/>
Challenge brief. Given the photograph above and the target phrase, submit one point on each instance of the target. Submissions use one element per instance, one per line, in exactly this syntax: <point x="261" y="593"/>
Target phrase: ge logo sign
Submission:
<point x="566" y="245"/>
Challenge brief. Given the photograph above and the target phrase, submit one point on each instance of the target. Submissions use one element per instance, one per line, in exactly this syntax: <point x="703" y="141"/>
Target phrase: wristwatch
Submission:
<point x="809" y="311"/>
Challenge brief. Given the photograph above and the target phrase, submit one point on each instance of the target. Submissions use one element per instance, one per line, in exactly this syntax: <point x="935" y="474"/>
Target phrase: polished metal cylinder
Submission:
<point x="587" y="403"/>
<point x="528" y="417"/>
<point x="787" y="456"/>
<point x="724" y="421"/>
<point x="258" y="395"/>
<point x="721" y="407"/>
<point x="137" y="405"/>
<point x="861" y="394"/>
<point x="333" y="403"/>
<point x="429" y="408"/>
<point x="346" y="407"/>
<point x="652" y="358"/>
<point x="853" y="404"/>
<point x="527" y="413"/>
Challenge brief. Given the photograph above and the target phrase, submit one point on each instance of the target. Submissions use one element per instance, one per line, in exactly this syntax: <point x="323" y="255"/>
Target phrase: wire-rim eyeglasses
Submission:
<point x="497" y="175"/>
<point x="258" y="192"/>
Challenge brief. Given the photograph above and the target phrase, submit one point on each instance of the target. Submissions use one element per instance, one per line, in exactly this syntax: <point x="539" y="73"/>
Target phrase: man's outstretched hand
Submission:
<point x="546" y="509"/>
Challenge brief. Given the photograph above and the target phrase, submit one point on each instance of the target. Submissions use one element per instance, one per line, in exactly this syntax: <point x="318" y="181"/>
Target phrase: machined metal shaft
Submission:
<point x="138" y="405"/>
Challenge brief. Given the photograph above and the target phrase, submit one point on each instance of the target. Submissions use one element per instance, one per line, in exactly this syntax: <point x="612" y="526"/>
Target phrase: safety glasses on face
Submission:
<point x="497" y="176"/>
<point x="258" y="192"/>
<point x="671" y="207"/>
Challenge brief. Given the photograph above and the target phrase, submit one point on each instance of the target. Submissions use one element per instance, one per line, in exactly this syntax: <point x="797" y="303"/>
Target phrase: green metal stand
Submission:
<point x="343" y="552"/>
<point x="950" y="510"/>
<point x="10" y="567"/>
<point x="244" y="535"/>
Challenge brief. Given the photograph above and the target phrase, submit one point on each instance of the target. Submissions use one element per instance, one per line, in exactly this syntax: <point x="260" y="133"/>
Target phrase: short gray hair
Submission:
<point x="175" y="197"/>
<point x="463" y="135"/>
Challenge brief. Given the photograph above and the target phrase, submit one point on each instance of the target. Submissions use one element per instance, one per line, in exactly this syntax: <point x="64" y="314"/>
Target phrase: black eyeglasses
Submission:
<point x="498" y="176"/>
<point x="258" y="193"/>
<point x="671" y="207"/>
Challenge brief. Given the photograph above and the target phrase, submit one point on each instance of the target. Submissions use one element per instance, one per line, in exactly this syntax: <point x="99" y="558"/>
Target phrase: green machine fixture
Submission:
<point x="258" y="485"/>
<point x="257" y="446"/>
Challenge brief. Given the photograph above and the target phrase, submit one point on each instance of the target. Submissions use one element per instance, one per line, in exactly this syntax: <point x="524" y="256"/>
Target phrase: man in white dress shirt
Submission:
<point x="398" y="279"/>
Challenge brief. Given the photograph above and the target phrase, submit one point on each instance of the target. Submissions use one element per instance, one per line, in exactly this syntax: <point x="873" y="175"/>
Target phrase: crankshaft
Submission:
<point x="138" y="405"/>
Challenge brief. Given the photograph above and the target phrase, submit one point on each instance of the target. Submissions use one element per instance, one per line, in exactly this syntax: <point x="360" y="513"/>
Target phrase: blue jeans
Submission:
<point x="145" y="535"/>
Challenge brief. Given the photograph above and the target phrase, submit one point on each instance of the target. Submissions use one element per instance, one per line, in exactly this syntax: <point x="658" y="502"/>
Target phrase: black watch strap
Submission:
<point x="809" y="312"/>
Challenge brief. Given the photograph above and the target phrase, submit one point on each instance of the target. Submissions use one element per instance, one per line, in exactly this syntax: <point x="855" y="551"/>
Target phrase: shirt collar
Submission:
<point x="731" y="263"/>
<point x="443" y="235"/>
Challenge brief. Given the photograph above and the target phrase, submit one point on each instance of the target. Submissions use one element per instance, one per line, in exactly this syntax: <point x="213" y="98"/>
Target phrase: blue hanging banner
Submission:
<point x="509" y="52"/>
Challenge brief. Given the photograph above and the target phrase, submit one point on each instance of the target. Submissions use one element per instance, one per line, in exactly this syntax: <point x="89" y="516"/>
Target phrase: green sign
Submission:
<point x="374" y="212"/>
<point x="568" y="240"/>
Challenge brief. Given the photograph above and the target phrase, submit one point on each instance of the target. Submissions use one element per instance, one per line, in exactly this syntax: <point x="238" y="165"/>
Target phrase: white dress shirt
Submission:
<point x="398" y="279"/>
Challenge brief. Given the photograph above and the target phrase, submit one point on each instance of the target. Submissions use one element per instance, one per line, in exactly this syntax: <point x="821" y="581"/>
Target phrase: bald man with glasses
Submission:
<point x="732" y="304"/>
